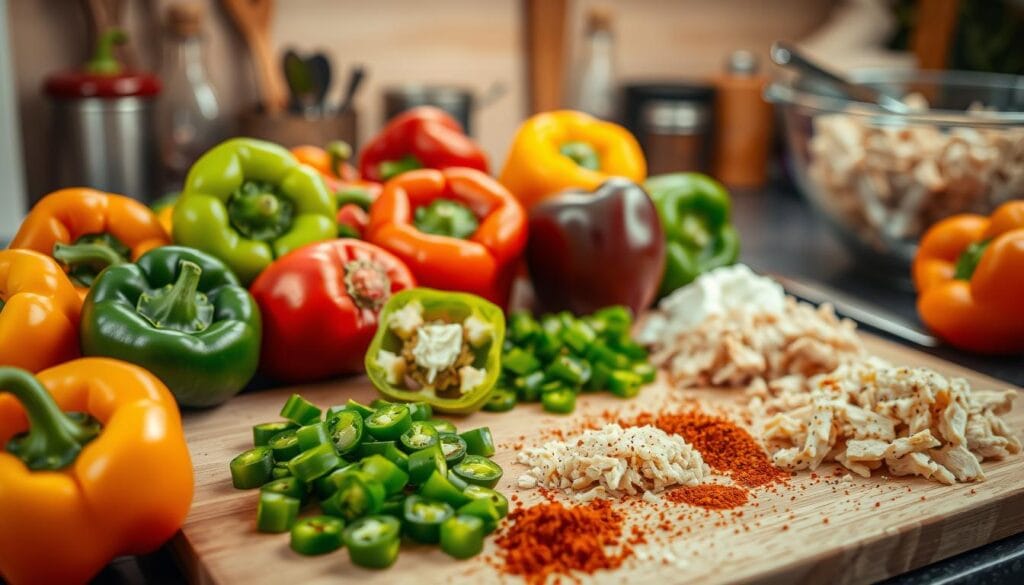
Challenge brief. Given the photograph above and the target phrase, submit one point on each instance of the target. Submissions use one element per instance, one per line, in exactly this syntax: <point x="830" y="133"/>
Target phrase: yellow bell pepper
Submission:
<point x="554" y="151"/>
<point x="77" y="490"/>
<point x="39" y="311"/>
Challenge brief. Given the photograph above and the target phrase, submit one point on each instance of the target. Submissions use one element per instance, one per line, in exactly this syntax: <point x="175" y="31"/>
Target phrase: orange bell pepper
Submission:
<point x="969" y="274"/>
<point x="89" y="230"/>
<point x="78" y="491"/>
<point x="554" y="151"/>
<point x="480" y="260"/>
<point x="39" y="311"/>
<point x="331" y="162"/>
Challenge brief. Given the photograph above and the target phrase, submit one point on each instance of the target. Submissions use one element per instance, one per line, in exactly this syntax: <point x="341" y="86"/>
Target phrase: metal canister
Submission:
<point x="672" y="121"/>
<point x="457" y="101"/>
<point x="103" y="126"/>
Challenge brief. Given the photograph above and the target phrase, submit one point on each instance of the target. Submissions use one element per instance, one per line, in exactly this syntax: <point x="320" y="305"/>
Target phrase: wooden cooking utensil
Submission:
<point x="253" y="19"/>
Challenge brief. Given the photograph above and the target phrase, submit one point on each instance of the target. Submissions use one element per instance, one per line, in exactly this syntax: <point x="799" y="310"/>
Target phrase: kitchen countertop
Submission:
<point x="781" y="235"/>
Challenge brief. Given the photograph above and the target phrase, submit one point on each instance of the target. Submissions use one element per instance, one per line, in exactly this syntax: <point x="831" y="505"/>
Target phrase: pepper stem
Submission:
<point x="393" y="168"/>
<point x="178" y="306"/>
<point x="968" y="261"/>
<point x="582" y="153"/>
<point x="340" y="152"/>
<point x="103" y="61"/>
<point x="259" y="212"/>
<point x="367" y="283"/>
<point x="92" y="254"/>
<point x="54" y="439"/>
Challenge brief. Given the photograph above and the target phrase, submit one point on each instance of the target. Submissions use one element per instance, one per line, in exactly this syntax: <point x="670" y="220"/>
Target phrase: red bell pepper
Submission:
<point x="423" y="137"/>
<point x="457" y="229"/>
<point x="320" y="306"/>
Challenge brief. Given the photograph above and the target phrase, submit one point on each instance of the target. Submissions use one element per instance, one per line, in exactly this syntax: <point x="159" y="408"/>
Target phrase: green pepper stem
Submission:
<point x="93" y="254"/>
<point x="178" y="306"/>
<point x="968" y="261"/>
<point x="582" y="153"/>
<point x="53" y="440"/>
<point x="103" y="61"/>
<point x="393" y="168"/>
<point x="259" y="212"/>
<point x="340" y="152"/>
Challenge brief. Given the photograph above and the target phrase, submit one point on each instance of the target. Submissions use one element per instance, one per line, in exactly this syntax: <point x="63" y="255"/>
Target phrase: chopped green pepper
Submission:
<point x="426" y="461"/>
<point x="528" y="387"/>
<point x="287" y="486"/>
<point x="312" y="435"/>
<point x="442" y="426"/>
<point x="480" y="492"/>
<point x="252" y="468"/>
<point x="578" y="336"/>
<point x="357" y="495"/>
<point x="373" y="541"/>
<point x="439" y="488"/>
<point x="573" y="371"/>
<point x="462" y="537"/>
<point x="388" y="423"/>
<point x="328" y="484"/>
<point x="317" y="535"/>
<point x="300" y="411"/>
<point x="420" y="410"/>
<point x="561" y="401"/>
<point x="315" y="463"/>
<point x="646" y="371"/>
<point x="520" y="362"/>
<point x="501" y="400"/>
<point x="479" y="441"/>
<point x="453" y="447"/>
<point x="457" y="481"/>
<point x="477" y="470"/>
<point x="423" y="518"/>
<point x="381" y="469"/>
<point x="484" y="509"/>
<point x="276" y="512"/>
<point x="280" y="471"/>
<point x="624" y="383"/>
<point x="418" y="436"/>
<point x="345" y="429"/>
<point x="262" y="432"/>
<point x="285" y="445"/>
<point x="522" y="328"/>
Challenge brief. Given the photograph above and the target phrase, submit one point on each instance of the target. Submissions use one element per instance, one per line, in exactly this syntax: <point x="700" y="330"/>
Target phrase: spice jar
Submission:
<point x="672" y="123"/>
<point x="743" y="121"/>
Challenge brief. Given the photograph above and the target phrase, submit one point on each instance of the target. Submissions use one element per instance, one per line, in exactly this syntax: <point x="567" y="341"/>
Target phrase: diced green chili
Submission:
<point x="285" y="445"/>
<point x="287" y="486"/>
<point x="573" y="371"/>
<point x="276" y="512"/>
<point x="631" y="349"/>
<point x="345" y="430"/>
<point x="367" y="448"/>
<point x="437" y="487"/>
<point x="363" y="410"/>
<point x="500" y="401"/>
<point x="457" y="481"/>
<point x="280" y="471"/>
<point x="478" y="492"/>
<point x="263" y="432"/>
<point x="317" y="535"/>
<point x="393" y="506"/>
<point x="528" y="387"/>
<point x="624" y="383"/>
<point x="617" y="320"/>
<point x="388" y="423"/>
<point x="373" y="541"/>
<point x="600" y="353"/>
<point x="599" y="377"/>
<point x="381" y="469"/>
<point x="395" y="455"/>
<point x="300" y="411"/>
<point x="578" y="336"/>
<point x="358" y="495"/>
<point x="522" y="327"/>
<point x="646" y="371"/>
<point x="478" y="470"/>
<point x="423" y="518"/>
<point x="479" y="441"/>
<point x="547" y="345"/>
<point x="520" y="362"/>
<point x="442" y="426"/>
<point x="420" y="410"/>
<point x="328" y="484"/>
<point x="315" y="463"/>
<point x="562" y="401"/>
<point x="426" y="461"/>
<point x="379" y="403"/>
<point x="312" y="435"/>
<point x="419" y="435"/>
<point x="453" y="447"/>
<point x="484" y="509"/>
<point x="252" y="468"/>
<point x="462" y="537"/>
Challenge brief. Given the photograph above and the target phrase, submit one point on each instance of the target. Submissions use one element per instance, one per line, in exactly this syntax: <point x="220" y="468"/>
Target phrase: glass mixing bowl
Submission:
<point x="880" y="178"/>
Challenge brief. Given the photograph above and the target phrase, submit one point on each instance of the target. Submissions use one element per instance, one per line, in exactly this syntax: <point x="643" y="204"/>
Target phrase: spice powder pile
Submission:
<point x="710" y="496"/>
<point x="551" y="539"/>
<point x="725" y="446"/>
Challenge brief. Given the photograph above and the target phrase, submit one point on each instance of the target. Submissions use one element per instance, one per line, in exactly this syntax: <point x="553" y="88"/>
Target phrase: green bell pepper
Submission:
<point x="248" y="202"/>
<point x="180" y="314"/>
<point x="449" y="308"/>
<point x="694" y="211"/>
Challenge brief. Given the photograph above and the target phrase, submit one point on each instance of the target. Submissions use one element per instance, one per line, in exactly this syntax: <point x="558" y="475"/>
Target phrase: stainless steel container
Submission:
<point x="109" y="144"/>
<point x="457" y="101"/>
<point x="103" y="127"/>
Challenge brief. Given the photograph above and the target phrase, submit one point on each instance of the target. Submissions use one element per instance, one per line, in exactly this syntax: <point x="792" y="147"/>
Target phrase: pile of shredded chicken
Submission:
<point x="740" y="347"/>
<point x="870" y="414"/>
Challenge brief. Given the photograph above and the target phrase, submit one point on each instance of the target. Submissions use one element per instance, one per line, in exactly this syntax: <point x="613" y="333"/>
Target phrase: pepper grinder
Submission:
<point x="103" y="129"/>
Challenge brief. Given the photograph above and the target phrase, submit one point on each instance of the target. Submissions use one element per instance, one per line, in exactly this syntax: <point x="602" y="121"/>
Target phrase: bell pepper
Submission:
<point x="969" y="275"/>
<point x="88" y="230"/>
<point x="694" y="210"/>
<point x="320" y="307"/>
<point x="180" y="314"/>
<point x="353" y="195"/>
<point x="423" y="137"/>
<point x="591" y="250"/>
<point x="457" y="229"/>
<point x="164" y="210"/>
<point x="460" y="339"/>
<point x="331" y="162"/>
<point x="554" y="151"/>
<point x="103" y="470"/>
<point x="248" y="201"/>
<point x="39" y="311"/>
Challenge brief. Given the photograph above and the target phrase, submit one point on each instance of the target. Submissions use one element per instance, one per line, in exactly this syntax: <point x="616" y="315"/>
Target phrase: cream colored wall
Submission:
<point x="467" y="42"/>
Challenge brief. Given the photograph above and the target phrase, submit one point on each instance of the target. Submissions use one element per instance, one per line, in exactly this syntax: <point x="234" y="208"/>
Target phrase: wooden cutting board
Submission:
<point x="818" y="529"/>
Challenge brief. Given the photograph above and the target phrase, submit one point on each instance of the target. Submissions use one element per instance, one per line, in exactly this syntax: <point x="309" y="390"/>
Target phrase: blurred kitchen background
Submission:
<point x="513" y="57"/>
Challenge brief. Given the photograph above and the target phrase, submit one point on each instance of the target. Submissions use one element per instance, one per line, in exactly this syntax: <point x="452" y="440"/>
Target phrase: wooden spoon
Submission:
<point x="253" y="19"/>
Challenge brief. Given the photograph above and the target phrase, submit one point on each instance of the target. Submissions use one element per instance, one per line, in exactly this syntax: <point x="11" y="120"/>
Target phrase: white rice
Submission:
<point x="613" y="461"/>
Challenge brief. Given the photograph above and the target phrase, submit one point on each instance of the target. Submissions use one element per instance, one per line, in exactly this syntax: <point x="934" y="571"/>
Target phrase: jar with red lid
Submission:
<point x="103" y="131"/>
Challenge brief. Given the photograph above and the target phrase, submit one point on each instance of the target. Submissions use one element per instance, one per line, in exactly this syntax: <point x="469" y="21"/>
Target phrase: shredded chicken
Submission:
<point x="870" y="414"/>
